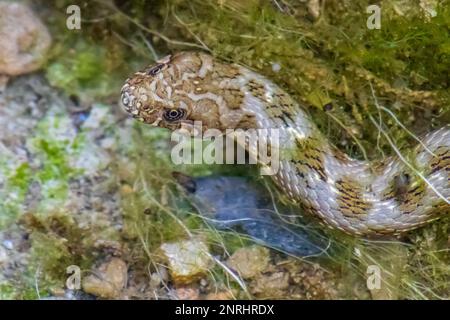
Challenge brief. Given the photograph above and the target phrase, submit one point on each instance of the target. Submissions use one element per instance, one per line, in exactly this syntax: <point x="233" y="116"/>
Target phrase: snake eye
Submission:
<point x="174" y="114"/>
<point x="155" y="70"/>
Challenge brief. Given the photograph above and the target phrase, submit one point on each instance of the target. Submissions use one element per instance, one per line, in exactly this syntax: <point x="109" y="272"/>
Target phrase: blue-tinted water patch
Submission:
<point x="246" y="207"/>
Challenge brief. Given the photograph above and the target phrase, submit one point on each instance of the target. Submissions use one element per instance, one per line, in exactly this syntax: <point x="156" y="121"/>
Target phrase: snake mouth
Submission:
<point x="130" y="106"/>
<point x="129" y="102"/>
<point x="126" y="99"/>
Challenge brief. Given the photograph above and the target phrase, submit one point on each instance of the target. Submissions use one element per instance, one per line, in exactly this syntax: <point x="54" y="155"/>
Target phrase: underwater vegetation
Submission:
<point x="94" y="185"/>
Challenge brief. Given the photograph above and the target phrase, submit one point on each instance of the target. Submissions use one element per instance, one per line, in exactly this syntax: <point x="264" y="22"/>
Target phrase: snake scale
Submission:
<point x="357" y="197"/>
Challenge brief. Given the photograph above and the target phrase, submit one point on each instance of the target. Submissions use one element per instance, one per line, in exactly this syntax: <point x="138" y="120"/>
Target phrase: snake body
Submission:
<point x="354" y="196"/>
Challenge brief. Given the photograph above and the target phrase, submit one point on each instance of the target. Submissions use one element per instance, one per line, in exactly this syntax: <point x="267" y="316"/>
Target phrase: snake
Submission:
<point x="362" y="198"/>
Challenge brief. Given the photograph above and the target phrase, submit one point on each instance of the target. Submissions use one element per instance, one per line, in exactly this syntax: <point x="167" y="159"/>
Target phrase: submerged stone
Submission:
<point x="241" y="205"/>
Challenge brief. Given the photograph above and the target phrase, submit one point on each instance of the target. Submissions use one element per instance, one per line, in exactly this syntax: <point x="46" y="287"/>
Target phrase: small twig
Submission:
<point x="406" y="129"/>
<point x="36" y="280"/>
<point x="156" y="33"/>
<point x="149" y="46"/>
<point x="351" y="135"/>
<point x="189" y="30"/>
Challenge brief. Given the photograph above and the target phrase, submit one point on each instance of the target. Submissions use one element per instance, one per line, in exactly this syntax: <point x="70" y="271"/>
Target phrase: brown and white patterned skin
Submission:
<point x="354" y="196"/>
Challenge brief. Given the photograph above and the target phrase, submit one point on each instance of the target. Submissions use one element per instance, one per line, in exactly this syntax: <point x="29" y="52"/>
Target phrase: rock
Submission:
<point x="187" y="293"/>
<point x="159" y="277"/>
<point x="108" y="280"/>
<point x="187" y="260"/>
<point x="429" y="7"/>
<point x="58" y="292"/>
<point x="221" y="295"/>
<point x="126" y="189"/>
<point x="8" y="244"/>
<point x="271" y="286"/>
<point x="314" y="9"/>
<point x="313" y="281"/>
<point x="24" y="39"/>
<point x="250" y="261"/>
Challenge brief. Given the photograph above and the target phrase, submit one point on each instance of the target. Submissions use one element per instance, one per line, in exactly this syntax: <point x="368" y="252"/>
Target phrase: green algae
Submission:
<point x="56" y="243"/>
<point x="56" y="240"/>
<point x="13" y="193"/>
<point x="7" y="291"/>
<point x="84" y="73"/>
<point x="52" y="148"/>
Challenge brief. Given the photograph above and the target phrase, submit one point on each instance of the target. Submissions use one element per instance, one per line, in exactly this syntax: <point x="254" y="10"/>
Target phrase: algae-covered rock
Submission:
<point x="24" y="39"/>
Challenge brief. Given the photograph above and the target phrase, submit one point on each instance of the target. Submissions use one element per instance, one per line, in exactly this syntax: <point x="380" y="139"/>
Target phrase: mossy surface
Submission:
<point x="112" y="180"/>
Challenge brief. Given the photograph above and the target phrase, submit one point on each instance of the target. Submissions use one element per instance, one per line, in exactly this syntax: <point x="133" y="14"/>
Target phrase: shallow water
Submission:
<point x="242" y="205"/>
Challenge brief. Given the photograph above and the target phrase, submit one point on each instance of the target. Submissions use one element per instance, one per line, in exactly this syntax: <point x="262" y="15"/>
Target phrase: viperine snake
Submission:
<point x="351" y="195"/>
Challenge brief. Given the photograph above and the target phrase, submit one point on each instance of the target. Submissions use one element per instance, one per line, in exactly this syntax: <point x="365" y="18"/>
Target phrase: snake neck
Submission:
<point x="347" y="194"/>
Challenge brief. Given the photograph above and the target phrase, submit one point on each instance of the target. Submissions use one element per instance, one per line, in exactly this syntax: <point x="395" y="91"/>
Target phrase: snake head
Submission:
<point x="160" y="94"/>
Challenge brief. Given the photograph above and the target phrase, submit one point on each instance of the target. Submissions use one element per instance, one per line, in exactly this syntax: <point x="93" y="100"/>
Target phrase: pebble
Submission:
<point x="272" y="285"/>
<point x="187" y="260"/>
<point x="249" y="261"/>
<point x="8" y="244"/>
<point x="108" y="280"/>
<point x="221" y="295"/>
<point x="187" y="293"/>
<point x="314" y="9"/>
<point x="25" y="40"/>
<point x="159" y="277"/>
<point x="126" y="189"/>
<point x="276" y="67"/>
